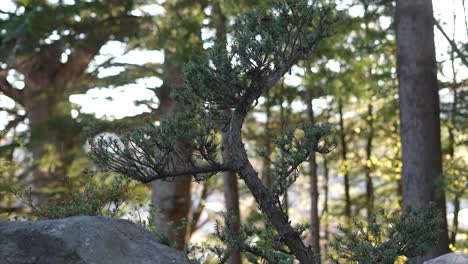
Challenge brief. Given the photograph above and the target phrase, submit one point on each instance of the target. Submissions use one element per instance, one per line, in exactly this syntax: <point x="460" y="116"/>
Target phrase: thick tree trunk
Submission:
<point x="314" y="194"/>
<point x="419" y="112"/>
<point x="345" y="169"/>
<point x="46" y="106"/>
<point x="172" y="199"/>
<point x="39" y="113"/>
<point x="48" y="83"/>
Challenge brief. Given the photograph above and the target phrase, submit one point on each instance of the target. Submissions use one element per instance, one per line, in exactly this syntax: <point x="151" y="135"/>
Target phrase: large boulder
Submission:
<point x="82" y="240"/>
<point x="450" y="258"/>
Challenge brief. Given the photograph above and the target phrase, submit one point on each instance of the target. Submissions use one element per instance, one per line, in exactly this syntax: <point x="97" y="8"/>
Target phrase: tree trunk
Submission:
<point x="325" y="207"/>
<point x="172" y="199"/>
<point x="231" y="191"/>
<point x="38" y="110"/>
<point x="451" y="130"/>
<point x="197" y="211"/>
<point x="456" y="211"/>
<point x="456" y="199"/>
<point x="419" y="112"/>
<point x="262" y="195"/>
<point x="267" y="176"/>
<point x="345" y="170"/>
<point x="45" y="101"/>
<point x="370" y="130"/>
<point x="48" y="83"/>
<point x="314" y="195"/>
<point x="368" y="166"/>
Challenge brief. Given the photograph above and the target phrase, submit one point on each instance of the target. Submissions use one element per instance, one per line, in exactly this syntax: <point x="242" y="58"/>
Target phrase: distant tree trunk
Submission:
<point x="283" y="121"/>
<point x="456" y="211"/>
<point x="266" y="172"/>
<point x="172" y="198"/>
<point x="368" y="166"/>
<point x="451" y="130"/>
<point x="456" y="199"/>
<point x="370" y="131"/>
<point x="48" y="83"/>
<point x="345" y="170"/>
<point x="314" y="194"/>
<point x="39" y="110"/>
<point x="196" y="212"/>
<point x="231" y="190"/>
<point x="419" y="112"/>
<point x="325" y="207"/>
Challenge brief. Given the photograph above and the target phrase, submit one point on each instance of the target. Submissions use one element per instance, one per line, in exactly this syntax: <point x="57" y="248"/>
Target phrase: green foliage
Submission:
<point x="409" y="234"/>
<point x="293" y="147"/>
<point x="257" y="243"/>
<point x="262" y="41"/>
<point x="93" y="199"/>
<point x="29" y="29"/>
<point x="150" y="225"/>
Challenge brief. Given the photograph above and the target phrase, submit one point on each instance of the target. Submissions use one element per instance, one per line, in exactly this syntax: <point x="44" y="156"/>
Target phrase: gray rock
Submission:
<point x="82" y="240"/>
<point x="450" y="258"/>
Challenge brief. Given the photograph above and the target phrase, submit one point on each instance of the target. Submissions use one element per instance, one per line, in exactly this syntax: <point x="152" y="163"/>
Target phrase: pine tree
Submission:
<point x="219" y="92"/>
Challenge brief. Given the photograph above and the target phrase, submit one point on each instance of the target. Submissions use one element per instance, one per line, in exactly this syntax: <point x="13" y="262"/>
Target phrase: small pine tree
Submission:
<point x="408" y="234"/>
<point x="219" y="93"/>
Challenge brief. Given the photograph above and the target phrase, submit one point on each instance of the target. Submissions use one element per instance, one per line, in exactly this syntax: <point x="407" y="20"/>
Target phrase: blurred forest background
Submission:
<point x="71" y="70"/>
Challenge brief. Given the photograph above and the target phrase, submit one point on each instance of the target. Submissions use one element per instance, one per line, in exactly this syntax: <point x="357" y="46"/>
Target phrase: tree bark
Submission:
<point x="48" y="84"/>
<point x="314" y="194"/>
<point x="419" y="112"/>
<point x="345" y="170"/>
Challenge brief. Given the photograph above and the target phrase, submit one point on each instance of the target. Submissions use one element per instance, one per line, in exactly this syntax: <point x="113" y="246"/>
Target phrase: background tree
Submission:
<point x="419" y="111"/>
<point x="45" y="53"/>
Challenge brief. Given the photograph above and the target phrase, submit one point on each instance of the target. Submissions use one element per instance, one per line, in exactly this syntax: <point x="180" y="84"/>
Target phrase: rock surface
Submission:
<point x="82" y="240"/>
<point x="450" y="258"/>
